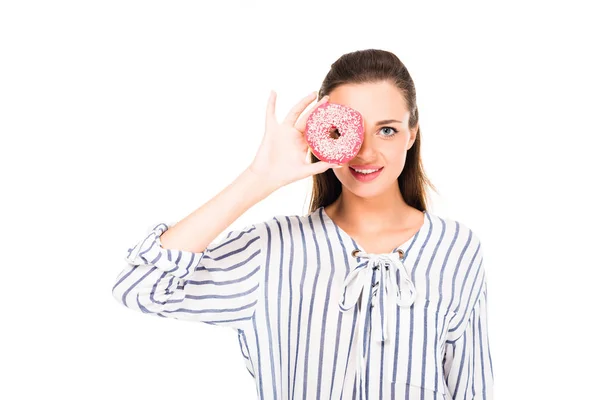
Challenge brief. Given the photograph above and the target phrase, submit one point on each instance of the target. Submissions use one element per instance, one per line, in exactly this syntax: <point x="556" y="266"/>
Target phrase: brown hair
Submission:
<point x="371" y="66"/>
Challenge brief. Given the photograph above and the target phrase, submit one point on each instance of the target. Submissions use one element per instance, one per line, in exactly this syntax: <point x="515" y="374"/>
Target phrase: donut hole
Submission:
<point x="334" y="133"/>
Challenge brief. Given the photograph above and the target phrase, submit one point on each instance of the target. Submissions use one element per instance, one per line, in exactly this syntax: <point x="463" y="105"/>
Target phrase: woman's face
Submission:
<point x="385" y="143"/>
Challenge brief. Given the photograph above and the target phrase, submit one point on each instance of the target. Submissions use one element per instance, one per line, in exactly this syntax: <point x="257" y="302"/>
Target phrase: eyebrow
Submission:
<point x="387" y="121"/>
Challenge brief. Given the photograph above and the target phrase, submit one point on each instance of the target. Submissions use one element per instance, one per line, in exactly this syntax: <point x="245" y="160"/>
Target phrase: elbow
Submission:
<point x="120" y="290"/>
<point x="141" y="289"/>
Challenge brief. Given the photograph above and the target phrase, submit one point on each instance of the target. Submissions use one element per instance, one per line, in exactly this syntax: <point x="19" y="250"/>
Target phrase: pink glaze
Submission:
<point x="349" y="124"/>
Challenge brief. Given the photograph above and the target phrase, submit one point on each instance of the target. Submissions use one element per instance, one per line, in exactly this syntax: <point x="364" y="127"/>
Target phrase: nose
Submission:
<point x="366" y="148"/>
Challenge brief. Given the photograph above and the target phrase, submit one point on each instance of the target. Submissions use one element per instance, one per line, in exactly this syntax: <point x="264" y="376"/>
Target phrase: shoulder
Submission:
<point x="278" y="222"/>
<point x="285" y="226"/>
<point x="454" y="230"/>
<point x="460" y="244"/>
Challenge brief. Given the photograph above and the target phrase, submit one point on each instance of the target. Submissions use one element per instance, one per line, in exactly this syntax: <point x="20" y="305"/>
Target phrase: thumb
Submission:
<point x="322" y="166"/>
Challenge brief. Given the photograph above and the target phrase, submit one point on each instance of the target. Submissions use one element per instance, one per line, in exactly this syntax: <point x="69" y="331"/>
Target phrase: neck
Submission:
<point x="371" y="214"/>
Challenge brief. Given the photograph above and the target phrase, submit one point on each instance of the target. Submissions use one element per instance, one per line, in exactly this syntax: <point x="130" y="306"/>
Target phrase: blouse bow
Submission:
<point x="377" y="281"/>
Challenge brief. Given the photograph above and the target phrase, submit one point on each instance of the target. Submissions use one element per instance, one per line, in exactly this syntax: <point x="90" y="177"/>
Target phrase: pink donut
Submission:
<point x="334" y="132"/>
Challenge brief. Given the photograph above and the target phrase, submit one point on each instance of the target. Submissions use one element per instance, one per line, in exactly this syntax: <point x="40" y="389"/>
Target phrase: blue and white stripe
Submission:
<point x="219" y="286"/>
<point x="279" y="283"/>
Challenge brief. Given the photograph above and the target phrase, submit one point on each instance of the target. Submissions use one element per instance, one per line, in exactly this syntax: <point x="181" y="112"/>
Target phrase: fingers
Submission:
<point x="270" y="115"/>
<point x="295" y="112"/>
<point x="301" y="124"/>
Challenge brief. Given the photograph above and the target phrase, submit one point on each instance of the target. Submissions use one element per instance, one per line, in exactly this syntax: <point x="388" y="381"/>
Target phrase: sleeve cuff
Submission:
<point x="149" y="251"/>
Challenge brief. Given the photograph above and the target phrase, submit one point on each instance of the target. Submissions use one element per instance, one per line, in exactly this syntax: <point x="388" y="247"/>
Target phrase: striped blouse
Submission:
<point x="318" y="317"/>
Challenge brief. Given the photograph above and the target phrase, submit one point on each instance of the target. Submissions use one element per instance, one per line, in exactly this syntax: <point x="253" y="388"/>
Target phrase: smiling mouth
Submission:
<point x="370" y="171"/>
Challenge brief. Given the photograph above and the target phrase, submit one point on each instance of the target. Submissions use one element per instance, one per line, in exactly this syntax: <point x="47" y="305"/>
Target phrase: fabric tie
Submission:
<point x="377" y="280"/>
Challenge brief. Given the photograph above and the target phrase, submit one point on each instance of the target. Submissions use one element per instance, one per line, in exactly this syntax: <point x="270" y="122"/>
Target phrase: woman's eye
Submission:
<point x="389" y="134"/>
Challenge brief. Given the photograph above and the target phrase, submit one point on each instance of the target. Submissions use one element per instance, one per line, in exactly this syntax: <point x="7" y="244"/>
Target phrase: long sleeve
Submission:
<point x="468" y="362"/>
<point x="219" y="286"/>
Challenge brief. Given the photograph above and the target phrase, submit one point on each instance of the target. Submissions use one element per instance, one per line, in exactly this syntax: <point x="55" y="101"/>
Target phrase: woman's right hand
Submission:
<point x="282" y="156"/>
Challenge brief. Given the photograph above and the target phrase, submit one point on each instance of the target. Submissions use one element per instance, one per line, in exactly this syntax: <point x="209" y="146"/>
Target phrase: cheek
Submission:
<point x="395" y="161"/>
<point x="394" y="155"/>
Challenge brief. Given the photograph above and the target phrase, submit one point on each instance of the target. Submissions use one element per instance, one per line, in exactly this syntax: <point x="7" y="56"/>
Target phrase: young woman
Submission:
<point x="369" y="295"/>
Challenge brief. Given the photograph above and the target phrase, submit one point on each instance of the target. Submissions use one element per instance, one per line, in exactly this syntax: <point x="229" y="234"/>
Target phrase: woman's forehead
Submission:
<point x="375" y="101"/>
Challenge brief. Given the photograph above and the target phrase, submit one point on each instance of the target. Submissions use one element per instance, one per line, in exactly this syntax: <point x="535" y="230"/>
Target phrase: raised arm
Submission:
<point x="192" y="277"/>
<point x="179" y="271"/>
<point x="195" y="232"/>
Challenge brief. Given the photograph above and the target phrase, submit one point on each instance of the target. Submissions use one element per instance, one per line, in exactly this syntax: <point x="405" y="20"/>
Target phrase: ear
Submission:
<point x="413" y="136"/>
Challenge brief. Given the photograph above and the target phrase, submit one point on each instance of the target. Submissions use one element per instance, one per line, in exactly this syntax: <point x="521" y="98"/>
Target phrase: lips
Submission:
<point x="366" y="166"/>
<point x="359" y="176"/>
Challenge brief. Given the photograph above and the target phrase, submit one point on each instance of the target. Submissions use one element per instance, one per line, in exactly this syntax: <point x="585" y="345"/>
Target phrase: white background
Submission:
<point x="115" y="115"/>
